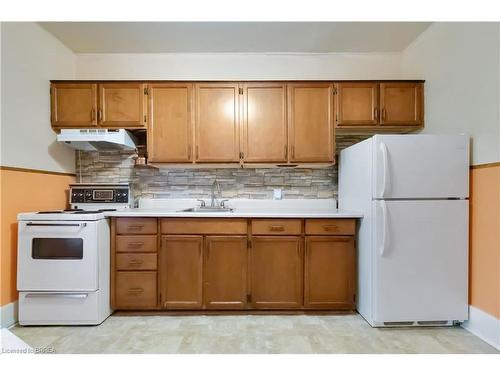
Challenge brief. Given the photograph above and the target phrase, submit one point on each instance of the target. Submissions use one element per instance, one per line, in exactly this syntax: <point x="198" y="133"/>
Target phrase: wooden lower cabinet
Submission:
<point x="233" y="264"/>
<point x="135" y="290"/>
<point x="181" y="272"/>
<point x="276" y="264"/>
<point x="225" y="272"/>
<point x="329" y="272"/>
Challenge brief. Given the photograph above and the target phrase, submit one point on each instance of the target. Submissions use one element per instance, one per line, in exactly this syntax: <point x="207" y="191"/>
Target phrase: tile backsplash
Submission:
<point x="258" y="183"/>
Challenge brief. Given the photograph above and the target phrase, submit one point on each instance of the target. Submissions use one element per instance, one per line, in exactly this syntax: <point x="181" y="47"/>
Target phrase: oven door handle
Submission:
<point x="58" y="295"/>
<point x="81" y="225"/>
<point x="30" y="224"/>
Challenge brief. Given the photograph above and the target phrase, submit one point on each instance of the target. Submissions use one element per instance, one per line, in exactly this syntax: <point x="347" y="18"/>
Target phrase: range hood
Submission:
<point x="97" y="139"/>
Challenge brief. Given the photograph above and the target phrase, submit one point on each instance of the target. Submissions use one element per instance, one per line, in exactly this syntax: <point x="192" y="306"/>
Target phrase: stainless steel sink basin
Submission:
<point x="207" y="209"/>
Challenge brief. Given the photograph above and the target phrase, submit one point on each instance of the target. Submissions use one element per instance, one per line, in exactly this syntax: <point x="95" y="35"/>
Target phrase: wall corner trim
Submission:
<point x="484" y="326"/>
<point x="8" y="314"/>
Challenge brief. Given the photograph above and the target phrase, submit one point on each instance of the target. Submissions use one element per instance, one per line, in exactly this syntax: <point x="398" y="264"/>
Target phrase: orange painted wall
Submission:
<point x="23" y="191"/>
<point x="485" y="239"/>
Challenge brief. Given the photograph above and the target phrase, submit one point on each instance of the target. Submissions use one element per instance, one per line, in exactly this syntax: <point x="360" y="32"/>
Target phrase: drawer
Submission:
<point x="134" y="262"/>
<point x="140" y="225"/>
<point x="137" y="243"/>
<point x="277" y="226"/>
<point x="203" y="226"/>
<point x="331" y="226"/>
<point x="135" y="289"/>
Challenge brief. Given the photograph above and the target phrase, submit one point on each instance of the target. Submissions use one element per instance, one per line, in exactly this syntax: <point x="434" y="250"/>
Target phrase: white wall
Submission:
<point x="239" y="66"/>
<point x="31" y="57"/>
<point x="461" y="65"/>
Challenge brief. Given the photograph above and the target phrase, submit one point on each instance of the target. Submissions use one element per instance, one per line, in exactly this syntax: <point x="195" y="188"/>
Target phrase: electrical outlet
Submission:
<point x="278" y="194"/>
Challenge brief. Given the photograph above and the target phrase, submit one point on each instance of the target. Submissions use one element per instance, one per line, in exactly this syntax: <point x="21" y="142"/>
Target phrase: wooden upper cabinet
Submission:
<point x="401" y="103"/>
<point x="311" y="117"/>
<point x="264" y="122"/>
<point x="73" y="104"/>
<point x="181" y="272"/>
<point x="330" y="272"/>
<point x="122" y="105"/>
<point x="225" y="272"/>
<point x="276" y="265"/>
<point x="357" y="103"/>
<point x="170" y="138"/>
<point x="217" y="122"/>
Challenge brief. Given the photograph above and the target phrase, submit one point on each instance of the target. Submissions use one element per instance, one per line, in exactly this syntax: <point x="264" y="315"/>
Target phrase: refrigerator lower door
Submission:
<point x="420" y="261"/>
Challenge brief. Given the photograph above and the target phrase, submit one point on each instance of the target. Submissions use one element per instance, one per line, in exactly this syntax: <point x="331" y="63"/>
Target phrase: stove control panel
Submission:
<point x="99" y="194"/>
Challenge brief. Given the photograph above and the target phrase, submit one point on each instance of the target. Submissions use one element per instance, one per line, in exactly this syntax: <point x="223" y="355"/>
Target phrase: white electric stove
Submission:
<point x="63" y="267"/>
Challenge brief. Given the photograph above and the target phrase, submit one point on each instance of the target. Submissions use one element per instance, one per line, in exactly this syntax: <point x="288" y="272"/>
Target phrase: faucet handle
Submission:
<point x="202" y="204"/>
<point x="221" y="203"/>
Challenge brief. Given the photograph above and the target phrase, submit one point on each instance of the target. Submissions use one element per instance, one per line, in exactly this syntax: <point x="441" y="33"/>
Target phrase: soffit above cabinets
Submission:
<point x="239" y="37"/>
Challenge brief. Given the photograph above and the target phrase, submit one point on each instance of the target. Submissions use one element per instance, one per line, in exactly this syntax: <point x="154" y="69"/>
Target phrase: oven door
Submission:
<point x="57" y="256"/>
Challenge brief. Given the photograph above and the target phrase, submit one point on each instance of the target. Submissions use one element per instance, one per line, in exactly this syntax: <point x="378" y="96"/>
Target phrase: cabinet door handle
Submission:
<point x="375" y="114"/>
<point x="99" y="115"/>
<point x="276" y="228"/>
<point x="286" y="152"/>
<point x="293" y="151"/>
<point x="383" y="114"/>
<point x="92" y="114"/>
<point x="189" y="152"/>
<point x="197" y="152"/>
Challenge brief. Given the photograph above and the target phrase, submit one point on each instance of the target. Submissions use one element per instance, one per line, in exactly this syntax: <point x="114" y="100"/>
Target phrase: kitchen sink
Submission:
<point x="207" y="209"/>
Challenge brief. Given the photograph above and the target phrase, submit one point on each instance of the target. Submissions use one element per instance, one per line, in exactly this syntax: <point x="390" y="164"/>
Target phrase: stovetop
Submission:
<point x="66" y="215"/>
<point x="77" y="211"/>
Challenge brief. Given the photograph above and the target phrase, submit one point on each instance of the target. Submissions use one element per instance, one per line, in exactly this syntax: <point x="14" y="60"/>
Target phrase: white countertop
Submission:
<point x="258" y="208"/>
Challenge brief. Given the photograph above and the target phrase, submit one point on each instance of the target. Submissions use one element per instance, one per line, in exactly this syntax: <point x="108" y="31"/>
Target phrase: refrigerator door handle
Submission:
<point x="385" y="170"/>
<point x="384" y="243"/>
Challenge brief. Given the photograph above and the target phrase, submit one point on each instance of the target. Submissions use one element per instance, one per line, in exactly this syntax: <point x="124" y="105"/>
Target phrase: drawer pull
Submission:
<point x="276" y="228"/>
<point x="135" y="244"/>
<point x="135" y="290"/>
<point x="330" y="227"/>
<point x="134" y="262"/>
<point x="136" y="226"/>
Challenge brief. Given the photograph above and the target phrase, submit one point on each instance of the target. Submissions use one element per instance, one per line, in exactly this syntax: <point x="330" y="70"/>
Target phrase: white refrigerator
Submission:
<point x="413" y="239"/>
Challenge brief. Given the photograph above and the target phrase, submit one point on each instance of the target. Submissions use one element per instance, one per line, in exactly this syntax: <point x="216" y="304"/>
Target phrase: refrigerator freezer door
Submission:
<point x="421" y="260"/>
<point x="420" y="166"/>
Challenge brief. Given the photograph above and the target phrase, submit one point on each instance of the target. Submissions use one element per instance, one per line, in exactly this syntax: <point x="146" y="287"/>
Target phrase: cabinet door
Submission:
<point x="310" y="116"/>
<point x="122" y="105"/>
<point x="330" y="273"/>
<point x="276" y="265"/>
<point x="73" y="104"/>
<point x="217" y="122"/>
<point x="181" y="266"/>
<point x="225" y="272"/>
<point x="264" y="122"/>
<point x="357" y="103"/>
<point x="401" y="103"/>
<point x="171" y="123"/>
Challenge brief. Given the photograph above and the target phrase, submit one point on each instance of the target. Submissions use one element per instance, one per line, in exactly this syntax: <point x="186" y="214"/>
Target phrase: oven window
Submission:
<point x="57" y="248"/>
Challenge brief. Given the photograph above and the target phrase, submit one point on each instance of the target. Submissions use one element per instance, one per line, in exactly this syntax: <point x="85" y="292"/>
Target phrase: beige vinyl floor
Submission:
<point x="249" y="334"/>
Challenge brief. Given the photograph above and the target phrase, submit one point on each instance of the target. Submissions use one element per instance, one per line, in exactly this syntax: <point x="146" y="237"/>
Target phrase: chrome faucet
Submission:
<point x="215" y="189"/>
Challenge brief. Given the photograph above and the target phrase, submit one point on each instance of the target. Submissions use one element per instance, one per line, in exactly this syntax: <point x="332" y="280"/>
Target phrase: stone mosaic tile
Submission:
<point x="116" y="167"/>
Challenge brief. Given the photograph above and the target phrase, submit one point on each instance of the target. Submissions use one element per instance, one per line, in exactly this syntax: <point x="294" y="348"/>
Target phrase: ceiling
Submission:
<point x="206" y="37"/>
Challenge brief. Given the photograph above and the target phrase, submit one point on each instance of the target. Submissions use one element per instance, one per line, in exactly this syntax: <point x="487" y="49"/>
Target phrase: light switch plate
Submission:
<point x="278" y="194"/>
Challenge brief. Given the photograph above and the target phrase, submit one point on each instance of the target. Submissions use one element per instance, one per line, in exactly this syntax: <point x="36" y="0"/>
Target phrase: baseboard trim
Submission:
<point x="484" y="326"/>
<point x="8" y="315"/>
